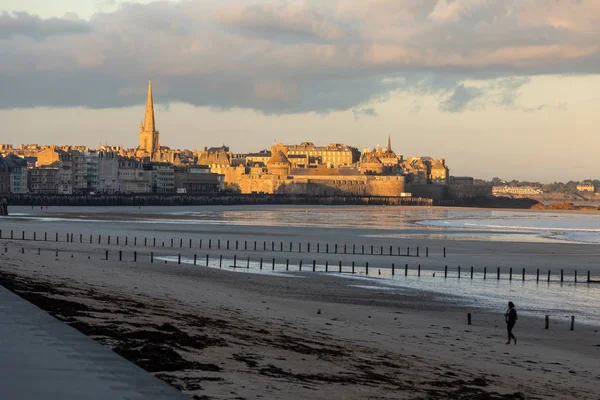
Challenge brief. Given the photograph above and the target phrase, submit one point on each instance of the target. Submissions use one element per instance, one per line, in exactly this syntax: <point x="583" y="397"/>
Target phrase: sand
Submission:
<point x="217" y="334"/>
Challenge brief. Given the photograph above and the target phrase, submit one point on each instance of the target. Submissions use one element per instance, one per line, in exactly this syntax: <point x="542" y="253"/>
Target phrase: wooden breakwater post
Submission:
<point x="459" y="272"/>
<point x="120" y="255"/>
<point x="314" y="265"/>
<point x="537" y="275"/>
<point x="207" y="260"/>
<point x="469" y="318"/>
<point x="445" y="271"/>
<point x="572" y="322"/>
<point x="151" y="256"/>
<point x="195" y="258"/>
<point x="547" y="322"/>
<point x="498" y="273"/>
<point x="405" y="269"/>
<point x="589" y="276"/>
<point x="273" y="265"/>
<point x="336" y="248"/>
<point x="135" y="256"/>
<point x="444" y="252"/>
<point x="471" y="272"/>
<point x="426" y="251"/>
<point x="367" y="268"/>
<point x="562" y="276"/>
<point x="417" y="251"/>
<point x="300" y="266"/>
<point x="484" y="273"/>
<point x="371" y="249"/>
<point x="352" y="267"/>
<point x="234" y="261"/>
<point x="287" y="264"/>
<point x="326" y="266"/>
<point x="510" y="274"/>
<point x="393" y="269"/>
<point x="575" y="276"/>
<point x="381" y="251"/>
<point x="106" y="254"/>
<point x="523" y="275"/>
<point x="419" y="270"/>
<point x="180" y="243"/>
<point x="261" y="262"/>
<point x="548" y="275"/>
<point x="221" y="261"/>
<point x="340" y="267"/>
<point x="248" y="263"/>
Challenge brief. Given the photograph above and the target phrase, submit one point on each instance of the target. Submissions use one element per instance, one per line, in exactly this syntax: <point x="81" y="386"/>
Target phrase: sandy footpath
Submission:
<point x="223" y="335"/>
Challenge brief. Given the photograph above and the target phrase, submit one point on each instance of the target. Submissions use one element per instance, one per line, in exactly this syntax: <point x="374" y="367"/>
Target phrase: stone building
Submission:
<point x="43" y="180"/>
<point x="149" y="147"/>
<point x="586" y="187"/>
<point x="108" y="172"/>
<point x="197" y="179"/>
<point x="131" y="176"/>
<point x="335" y="154"/>
<point x="71" y="169"/>
<point x="439" y="172"/>
<point x="279" y="178"/>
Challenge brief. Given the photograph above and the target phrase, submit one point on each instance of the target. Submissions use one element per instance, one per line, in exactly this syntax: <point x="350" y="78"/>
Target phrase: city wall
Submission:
<point x="386" y="186"/>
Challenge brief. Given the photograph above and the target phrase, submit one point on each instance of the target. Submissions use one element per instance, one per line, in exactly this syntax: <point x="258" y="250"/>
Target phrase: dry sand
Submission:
<point x="223" y="335"/>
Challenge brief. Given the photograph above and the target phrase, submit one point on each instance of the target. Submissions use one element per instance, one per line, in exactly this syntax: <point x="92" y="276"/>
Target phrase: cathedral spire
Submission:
<point x="388" y="146"/>
<point x="149" y="118"/>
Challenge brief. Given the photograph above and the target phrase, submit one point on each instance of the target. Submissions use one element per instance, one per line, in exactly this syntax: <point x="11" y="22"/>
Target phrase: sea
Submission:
<point x="559" y="299"/>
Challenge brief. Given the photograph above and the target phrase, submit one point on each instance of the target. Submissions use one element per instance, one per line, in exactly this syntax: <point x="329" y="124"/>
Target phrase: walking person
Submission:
<point x="511" y="319"/>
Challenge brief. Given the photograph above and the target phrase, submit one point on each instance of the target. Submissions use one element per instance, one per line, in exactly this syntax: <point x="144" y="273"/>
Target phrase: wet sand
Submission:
<point x="217" y="334"/>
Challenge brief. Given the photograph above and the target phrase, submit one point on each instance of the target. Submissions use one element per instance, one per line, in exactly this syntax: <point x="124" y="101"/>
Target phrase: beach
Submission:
<point x="221" y="333"/>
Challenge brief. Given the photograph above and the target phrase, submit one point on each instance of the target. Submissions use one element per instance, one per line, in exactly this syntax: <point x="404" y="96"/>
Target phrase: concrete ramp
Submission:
<point x="43" y="358"/>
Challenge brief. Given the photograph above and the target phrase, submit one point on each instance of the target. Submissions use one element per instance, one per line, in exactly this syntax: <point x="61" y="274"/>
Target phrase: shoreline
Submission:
<point x="249" y="336"/>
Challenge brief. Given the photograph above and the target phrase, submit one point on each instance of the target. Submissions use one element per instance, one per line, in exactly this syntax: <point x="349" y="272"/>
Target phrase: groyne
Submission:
<point x="207" y="199"/>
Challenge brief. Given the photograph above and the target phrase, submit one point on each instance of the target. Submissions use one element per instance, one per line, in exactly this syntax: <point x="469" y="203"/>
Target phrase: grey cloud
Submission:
<point x="24" y="24"/>
<point x="560" y="107"/>
<point x="364" y="112"/>
<point x="282" y="22"/>
<point x="461" y="99"/>
<point x="309" y="57"/>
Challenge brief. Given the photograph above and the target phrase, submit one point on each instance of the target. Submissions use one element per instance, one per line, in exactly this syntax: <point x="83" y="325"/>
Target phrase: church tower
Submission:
<point x="388" y="146"/>
<point x="148" y="134"/>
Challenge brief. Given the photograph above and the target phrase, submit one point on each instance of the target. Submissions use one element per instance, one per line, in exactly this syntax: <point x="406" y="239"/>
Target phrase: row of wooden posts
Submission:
<point x="366" y="267"/>
<point x="546" y="321"/>
<point x="69" y="238"/>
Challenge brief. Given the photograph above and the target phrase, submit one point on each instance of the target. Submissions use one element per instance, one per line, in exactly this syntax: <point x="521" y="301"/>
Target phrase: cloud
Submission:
<point x="364" y="112"/>
<point x="560" y="107"/>
<point x="23" y="24"/>
<point x="461" y="99"/>
<point x="279" y="22"/>
<point x="296" y="56"/>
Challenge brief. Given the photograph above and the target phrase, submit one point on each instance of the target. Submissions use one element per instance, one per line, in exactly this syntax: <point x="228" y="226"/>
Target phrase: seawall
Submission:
<point x="208" y="199"/>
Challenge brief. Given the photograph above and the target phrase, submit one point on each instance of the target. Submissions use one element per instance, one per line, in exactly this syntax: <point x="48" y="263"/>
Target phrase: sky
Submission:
<point x="506" y="89"/>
